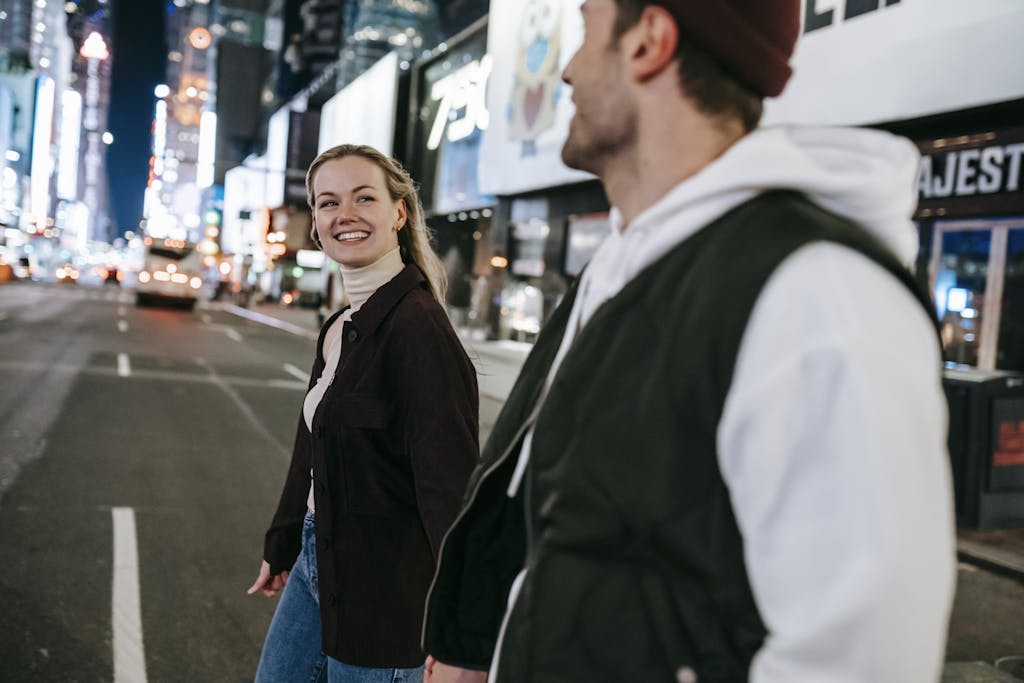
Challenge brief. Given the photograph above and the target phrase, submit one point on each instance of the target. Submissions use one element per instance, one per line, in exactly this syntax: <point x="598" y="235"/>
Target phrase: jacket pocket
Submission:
<point x="364" y="411"/>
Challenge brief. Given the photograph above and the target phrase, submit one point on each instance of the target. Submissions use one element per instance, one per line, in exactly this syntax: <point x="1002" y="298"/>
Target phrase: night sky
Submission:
<point x="139" y="61"/>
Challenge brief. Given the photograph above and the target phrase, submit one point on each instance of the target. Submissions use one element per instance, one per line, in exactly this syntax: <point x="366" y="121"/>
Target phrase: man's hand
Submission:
<point x="267" y="584"/>
<point x="439" y="672"/>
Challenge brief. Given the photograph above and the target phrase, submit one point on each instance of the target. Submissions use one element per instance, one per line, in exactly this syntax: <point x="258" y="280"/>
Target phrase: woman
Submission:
<point x="385" y="443"/>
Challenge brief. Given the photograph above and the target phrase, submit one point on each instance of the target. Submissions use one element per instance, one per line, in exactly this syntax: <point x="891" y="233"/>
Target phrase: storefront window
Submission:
<point x="979" y="291"/>
<point x="522" y="311"/>
<point x="586" y="233"/>
<point x="1010" y="353"/>
<point x="528" y="242"/>
<point x="522" y="301"/>
<point x="960" y="285"/>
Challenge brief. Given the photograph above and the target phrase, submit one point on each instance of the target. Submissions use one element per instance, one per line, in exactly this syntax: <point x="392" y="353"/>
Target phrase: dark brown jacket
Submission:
<point x="393" y="442"/>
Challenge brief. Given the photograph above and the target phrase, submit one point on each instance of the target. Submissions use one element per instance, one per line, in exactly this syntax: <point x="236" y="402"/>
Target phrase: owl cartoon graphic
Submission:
<point x="537" y="80"/>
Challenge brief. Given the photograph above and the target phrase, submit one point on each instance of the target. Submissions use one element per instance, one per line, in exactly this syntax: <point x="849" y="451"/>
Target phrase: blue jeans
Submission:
<point x="291" y="653"/>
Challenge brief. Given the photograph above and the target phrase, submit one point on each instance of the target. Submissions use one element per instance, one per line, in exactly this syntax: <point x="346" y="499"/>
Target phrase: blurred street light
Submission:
<point x="95" y="47"/>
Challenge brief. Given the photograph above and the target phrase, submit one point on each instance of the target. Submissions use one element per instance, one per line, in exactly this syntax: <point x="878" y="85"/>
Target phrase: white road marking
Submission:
<point x="126" y="606"/>
<point x="285" y="384"/>
<point x="295" y="372"/>
<point x="232" y="334"/>
<point x="271" y="321"/>
<point x="121" y="310"/>
<point x="124" y="368"/>
<point x="255" y="421"/>
<point x="206" y="318"/>
<point x="122" y="326"/>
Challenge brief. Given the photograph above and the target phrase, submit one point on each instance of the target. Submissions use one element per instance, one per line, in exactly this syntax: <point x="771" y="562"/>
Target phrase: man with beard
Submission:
<point x="724" y="459"/>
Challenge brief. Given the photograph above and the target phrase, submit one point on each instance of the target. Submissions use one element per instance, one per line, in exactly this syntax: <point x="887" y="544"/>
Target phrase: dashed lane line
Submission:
<point x="124" y="367"/>
<point x="121" y="311"/>
<point x="295" y="372"/>
<point x="206" y="318"/>
<point x="233" y="334"/>
<point x="157" y="375"/>
<point x="126" y="605"/>
<point x="122" y="326"/>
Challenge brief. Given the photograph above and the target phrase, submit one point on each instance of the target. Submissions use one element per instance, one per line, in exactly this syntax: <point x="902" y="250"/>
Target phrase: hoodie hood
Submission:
<point x="866" y="176"/>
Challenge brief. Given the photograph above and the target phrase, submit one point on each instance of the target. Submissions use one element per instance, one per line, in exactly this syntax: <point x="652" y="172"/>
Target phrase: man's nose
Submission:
<point x="566" y="76"/>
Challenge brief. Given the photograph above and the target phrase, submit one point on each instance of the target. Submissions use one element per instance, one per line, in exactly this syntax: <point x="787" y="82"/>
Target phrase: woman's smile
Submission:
<point x="352" y="236"/>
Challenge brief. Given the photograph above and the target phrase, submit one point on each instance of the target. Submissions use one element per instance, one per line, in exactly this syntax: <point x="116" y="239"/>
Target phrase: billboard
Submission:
<point x="276" y="158"/>
<point x="861" y="62"/>
<point x="530" y="42"/>
<point x="363" y="113"/>
<point x="22" y="88"/>
<point x="452" y="115"/>
<point x="244" y="197"/>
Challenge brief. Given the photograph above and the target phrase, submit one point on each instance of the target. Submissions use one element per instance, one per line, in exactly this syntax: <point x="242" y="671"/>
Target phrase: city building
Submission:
<point x="181" y="167"/>
<point x="54" y="96"/>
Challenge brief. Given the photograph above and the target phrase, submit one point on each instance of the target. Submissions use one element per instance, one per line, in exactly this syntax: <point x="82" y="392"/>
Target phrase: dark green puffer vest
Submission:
<point x="635" y="562"/>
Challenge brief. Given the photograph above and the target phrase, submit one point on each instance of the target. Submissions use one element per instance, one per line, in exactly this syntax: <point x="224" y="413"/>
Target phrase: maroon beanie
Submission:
<point x="752" y="39"/>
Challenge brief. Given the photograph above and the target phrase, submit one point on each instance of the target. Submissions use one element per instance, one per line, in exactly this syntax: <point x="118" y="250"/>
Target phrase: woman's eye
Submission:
<point x="364" y="199"/>
<point x="324" y="205"/>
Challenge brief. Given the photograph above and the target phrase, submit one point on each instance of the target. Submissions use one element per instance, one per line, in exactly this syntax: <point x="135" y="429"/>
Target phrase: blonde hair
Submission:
<point x="414" y="238"/>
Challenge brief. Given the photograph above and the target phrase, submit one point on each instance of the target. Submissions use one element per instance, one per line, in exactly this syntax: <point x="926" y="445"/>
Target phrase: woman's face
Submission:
<point x="355" y="217"/>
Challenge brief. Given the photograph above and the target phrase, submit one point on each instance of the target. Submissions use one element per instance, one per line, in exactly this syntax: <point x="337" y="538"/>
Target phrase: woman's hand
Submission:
<point x="267" y="584"/>
<point x="439" y="672"/>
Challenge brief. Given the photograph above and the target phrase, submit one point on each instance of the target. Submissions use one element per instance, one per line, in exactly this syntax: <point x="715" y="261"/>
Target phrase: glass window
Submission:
<point x="960" y="282"/>
<point x="1010" y="351"/>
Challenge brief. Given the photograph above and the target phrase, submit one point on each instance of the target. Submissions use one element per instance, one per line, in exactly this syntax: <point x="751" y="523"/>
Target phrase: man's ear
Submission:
<point x="651" y="42"/>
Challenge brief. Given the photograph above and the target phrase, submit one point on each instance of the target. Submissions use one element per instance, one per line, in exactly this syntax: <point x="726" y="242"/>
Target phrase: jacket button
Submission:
<point x="352" y="335"/>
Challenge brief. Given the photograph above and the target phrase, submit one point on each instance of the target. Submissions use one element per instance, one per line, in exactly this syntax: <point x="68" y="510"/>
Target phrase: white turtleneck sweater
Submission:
<point x="360" y="284"/>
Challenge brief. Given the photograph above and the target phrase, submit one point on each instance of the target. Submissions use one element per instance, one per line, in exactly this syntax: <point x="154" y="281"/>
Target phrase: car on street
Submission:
<point x="67" y="273"/>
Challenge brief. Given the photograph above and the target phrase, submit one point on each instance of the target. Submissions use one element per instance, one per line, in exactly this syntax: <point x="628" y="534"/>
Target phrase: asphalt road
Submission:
<point x="186" y="419"/>
<point x="191" y="429"/>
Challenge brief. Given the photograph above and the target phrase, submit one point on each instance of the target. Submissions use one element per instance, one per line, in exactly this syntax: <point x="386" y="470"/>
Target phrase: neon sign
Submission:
<point x="463" y="106"/>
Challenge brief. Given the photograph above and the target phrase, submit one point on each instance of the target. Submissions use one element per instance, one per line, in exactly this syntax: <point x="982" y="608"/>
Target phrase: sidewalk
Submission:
<point x="497" y="362"/>
<point x="999" y="551"/>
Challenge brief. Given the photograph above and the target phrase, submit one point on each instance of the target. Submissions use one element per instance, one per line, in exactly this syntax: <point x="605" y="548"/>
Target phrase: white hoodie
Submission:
<point x="832" y="438"/>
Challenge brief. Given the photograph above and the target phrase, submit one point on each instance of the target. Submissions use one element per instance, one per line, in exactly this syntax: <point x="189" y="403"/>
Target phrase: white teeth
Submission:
<point x="351" y="235"/>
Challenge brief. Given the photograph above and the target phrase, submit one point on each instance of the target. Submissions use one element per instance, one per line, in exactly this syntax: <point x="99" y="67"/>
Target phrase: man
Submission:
<point x="729" y="441"/>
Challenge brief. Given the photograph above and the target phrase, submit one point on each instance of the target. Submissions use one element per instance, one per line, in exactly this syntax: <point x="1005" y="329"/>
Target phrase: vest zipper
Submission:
<point x="517" y="584"/>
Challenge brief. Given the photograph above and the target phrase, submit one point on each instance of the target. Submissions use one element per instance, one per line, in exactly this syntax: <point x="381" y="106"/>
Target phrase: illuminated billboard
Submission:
<point x="363" y="113"/>
<point x="861" y="63"/>
<point x="530" y="43"/>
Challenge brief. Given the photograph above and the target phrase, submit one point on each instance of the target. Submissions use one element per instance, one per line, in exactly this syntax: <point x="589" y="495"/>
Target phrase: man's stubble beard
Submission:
<point x="594" y="151"/>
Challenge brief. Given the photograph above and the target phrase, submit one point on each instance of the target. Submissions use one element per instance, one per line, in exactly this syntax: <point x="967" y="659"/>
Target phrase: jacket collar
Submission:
<point x="372" y="313"/>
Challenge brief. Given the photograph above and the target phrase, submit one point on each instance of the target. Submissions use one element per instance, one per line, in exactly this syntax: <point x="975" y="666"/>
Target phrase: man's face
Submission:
<point x="605" y="120"/>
